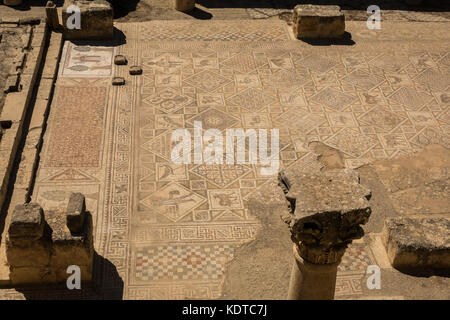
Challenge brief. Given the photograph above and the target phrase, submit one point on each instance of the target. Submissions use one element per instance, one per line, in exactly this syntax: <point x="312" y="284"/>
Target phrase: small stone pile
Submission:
<point x="121" y="60"/>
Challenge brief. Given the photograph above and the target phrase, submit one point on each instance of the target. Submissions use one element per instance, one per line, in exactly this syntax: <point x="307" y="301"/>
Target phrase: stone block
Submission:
<point x="76" y="210"/>
<point x="96" y="19"/>
<point x="118" y="81"/>
<point x="73" y="250"/>
<point x="135" y="70"/>
<point x="34" y="253"/>
<point x="418" y="245"/>
<point x="317" y="21"/>
<point x="27" y="223"/>
<point x="13" y="109"/>
<point x="120" y="60"/>
<point x="184" y="5"/>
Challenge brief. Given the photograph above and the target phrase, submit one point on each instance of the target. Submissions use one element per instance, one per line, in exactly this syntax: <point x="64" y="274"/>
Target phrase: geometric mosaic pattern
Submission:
<point x="409" y="97"/>
<point x="221" y="175"/>
<point x="355" y="259"/>
<point x="181" y="262"/>
<point x="212" y="30"/>
<point x="173" y="201"/>
<point x="351" y="142"/>
<point x="333" y="99"/>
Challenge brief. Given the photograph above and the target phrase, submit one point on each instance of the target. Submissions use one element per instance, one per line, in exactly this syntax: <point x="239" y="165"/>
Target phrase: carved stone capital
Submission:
<point x="327" y="210"/>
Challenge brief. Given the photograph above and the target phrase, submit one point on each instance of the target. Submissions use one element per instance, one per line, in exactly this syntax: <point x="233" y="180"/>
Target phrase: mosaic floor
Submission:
<point x="168" y="230"/>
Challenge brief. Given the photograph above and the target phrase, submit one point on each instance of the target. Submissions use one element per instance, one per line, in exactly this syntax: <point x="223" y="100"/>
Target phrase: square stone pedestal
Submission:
<point x="96" y="20"/>
<point x="314" y="21"/>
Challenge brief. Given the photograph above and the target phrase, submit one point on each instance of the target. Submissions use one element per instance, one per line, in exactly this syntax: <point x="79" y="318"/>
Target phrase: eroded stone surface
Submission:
<point x="120" y="60"/>
<point x="327" y="211"/>
<point x="316" y="21"/>
<point x="418" y="245"/>
<point x="118" y="81"/>
<point x="27" y="222"/>
<point x="135" y="70"/>
<point x="76" y="210"/>
<point x="418" y="183"/>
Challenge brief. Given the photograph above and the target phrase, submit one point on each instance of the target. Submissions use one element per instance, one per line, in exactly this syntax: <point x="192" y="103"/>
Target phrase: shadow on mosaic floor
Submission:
<point x="27" y="4"/>
<point x="200" y="14"/>
<point x="122" y="8"/>
<point x="118" y="40"/>
<point x="107" y="285"/>
<point x="346" y="40"/>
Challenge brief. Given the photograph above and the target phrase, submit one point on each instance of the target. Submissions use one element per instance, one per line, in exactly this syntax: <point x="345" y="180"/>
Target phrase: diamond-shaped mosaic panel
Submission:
<point x="333" y="99"/>
<point x="221" y="175"/>
<point x="434" y="79"/>
<point x="215" y="119"/>
<point x="382" y="119"/>
<point x="167" y="100"/>
<point x="207" y="81"/>
<point x="252" y="99"/>
<point x="410" y="98"/>
<point x="173" y="201"/>
<point x="243" y="63"/>
<point x="317" y="63"/>
<point x="363" y="79"/>
<point x="300" y="120"/>
<point x="351" y="142"/>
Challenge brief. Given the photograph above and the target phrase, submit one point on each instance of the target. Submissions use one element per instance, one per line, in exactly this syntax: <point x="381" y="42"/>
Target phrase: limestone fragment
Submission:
<point x="120" y="60"/>
<point x="76" y="210"/>
<point x="135" y="70"/>
<point x="418" y="245"/>
<point x="118" y="81"/>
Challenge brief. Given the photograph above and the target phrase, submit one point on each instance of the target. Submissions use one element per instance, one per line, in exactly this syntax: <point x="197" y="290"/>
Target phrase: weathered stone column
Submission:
<point x="184" y="5"/>
<point x="327" y="210"/>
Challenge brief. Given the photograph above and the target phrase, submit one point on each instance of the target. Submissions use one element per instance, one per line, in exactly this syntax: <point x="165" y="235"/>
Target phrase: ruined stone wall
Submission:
<point x="40" y="246"/>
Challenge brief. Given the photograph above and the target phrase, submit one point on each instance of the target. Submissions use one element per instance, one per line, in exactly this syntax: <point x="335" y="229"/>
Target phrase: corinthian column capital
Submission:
<point x="327" y="210"/>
